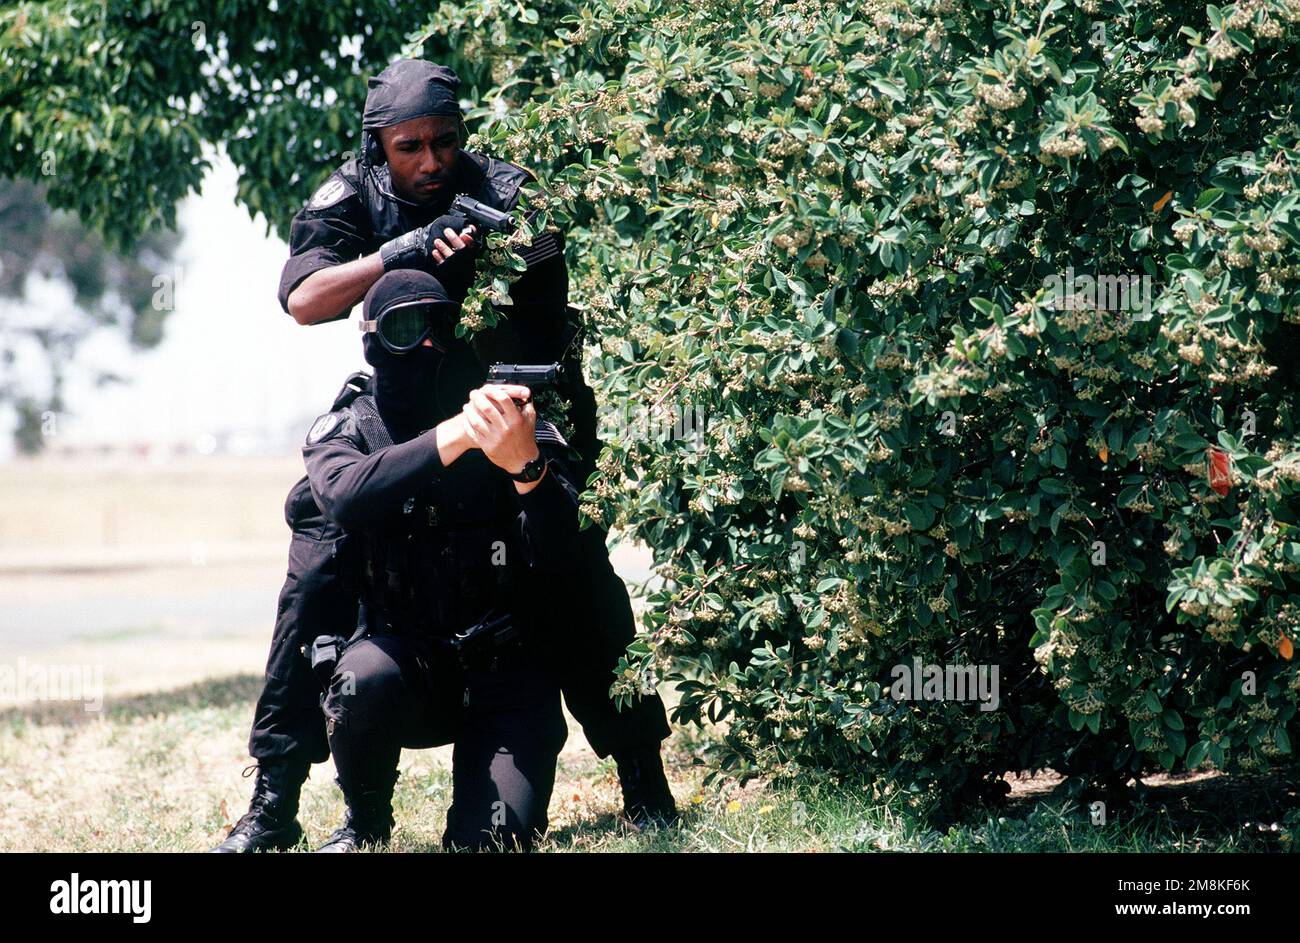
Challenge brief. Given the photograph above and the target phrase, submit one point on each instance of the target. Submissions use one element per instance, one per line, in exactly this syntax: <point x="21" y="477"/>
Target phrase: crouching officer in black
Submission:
<point x="384" y="212"/>
<point x="463" y="511"/>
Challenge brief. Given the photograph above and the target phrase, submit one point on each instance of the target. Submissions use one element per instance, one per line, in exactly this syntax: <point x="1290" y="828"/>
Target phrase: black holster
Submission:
<point x="324" y="656"/>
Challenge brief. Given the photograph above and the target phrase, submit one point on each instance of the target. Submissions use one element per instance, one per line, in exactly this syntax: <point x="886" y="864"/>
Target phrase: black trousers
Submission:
<point x="288" y="721"/>
<point x="391" y="692"/>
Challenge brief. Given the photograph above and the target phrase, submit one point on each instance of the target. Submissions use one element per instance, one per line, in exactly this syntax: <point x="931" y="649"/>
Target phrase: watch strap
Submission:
<point x="532" y="471"/>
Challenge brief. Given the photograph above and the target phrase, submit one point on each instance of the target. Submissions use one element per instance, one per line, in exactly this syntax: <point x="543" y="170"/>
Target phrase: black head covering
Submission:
<point x="410" y="88"/>
<point x="417" y="390"/>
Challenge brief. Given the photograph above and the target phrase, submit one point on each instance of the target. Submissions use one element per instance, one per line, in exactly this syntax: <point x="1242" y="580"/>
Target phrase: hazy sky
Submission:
<point x="231" y="361"/>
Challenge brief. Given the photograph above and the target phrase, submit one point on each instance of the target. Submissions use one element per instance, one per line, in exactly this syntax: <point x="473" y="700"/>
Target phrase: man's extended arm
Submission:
<point x="329" y="293"/>
<point x="549" y="515"/>
<point x="329" y="268"/>
<point x="356" y="489"/>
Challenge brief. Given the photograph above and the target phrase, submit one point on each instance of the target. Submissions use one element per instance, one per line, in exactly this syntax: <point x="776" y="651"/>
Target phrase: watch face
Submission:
<point x="532" y="471"/>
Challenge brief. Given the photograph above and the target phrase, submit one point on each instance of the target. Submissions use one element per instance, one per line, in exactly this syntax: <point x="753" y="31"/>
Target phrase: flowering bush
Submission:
<point x="988" y="309"/>
<point x="991" y="308"/>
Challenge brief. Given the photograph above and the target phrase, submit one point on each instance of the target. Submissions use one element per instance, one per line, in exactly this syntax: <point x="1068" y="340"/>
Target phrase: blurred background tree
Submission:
<point x="109" y="289"/>
<point x="112" y="113"/>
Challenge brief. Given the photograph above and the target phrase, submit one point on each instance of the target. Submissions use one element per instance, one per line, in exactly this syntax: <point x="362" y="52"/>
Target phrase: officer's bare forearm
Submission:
<point x="451" y="440"/>
<point x="330" y="292"/>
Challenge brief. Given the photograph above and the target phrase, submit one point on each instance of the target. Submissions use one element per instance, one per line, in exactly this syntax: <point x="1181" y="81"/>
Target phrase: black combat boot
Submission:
<point x="369" y="819"/>
<point x="271" y="822"/>
<point x="647" y="800"/>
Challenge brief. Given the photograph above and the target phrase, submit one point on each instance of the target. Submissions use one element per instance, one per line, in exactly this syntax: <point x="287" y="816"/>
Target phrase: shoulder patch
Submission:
<point x="324" y="427"/>
<point x="330" y="192"/>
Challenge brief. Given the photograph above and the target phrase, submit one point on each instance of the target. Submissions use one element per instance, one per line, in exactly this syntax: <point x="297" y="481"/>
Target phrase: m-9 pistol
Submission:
<point x="535" y="376"/>
<point x="482" y="215"/>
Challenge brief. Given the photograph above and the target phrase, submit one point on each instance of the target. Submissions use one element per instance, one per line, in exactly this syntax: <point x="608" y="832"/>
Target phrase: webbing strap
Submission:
<point x="372" y="427"/>
<point x="544" y="247"/>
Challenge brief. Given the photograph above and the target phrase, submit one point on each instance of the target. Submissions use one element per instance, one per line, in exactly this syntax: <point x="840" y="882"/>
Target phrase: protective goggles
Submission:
<point x="405" y="326"/>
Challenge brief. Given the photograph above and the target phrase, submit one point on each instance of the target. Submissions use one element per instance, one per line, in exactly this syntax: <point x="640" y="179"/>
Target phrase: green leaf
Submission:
<point x="1190" y="442"/>
<point x="1208" y="198"/>
<point x="921" y="517"/>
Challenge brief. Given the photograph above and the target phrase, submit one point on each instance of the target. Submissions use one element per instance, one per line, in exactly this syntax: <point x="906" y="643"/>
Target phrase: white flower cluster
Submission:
<point x="1001" y="96"/>
<point x="1067" y="146"/>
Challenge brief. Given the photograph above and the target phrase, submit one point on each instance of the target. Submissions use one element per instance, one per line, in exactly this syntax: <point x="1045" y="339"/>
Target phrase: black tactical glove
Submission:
<point x="414" y="249"/>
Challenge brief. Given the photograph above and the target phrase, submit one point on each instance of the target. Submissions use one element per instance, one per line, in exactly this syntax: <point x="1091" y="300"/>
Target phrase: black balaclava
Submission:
<point x="417" y="390"/>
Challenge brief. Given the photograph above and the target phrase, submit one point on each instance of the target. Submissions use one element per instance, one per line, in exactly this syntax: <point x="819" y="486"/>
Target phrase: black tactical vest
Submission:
<point x="455" y="555"/>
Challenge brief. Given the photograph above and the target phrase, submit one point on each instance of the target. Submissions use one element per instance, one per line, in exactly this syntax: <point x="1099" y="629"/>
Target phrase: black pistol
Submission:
<point x="482" y="215"/>
<point x="535" y="376"/>
<point x="477" y="645"/>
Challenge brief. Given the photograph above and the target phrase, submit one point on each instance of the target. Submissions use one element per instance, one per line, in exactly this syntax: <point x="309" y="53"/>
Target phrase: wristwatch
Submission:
<point x="530" y="472"/>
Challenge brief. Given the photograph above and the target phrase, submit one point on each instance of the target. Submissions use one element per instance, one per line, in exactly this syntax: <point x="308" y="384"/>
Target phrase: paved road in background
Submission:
<point x="218" y="592"/>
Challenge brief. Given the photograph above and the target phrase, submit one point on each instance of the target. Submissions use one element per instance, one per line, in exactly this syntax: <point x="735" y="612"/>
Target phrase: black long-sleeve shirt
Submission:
<point x="362" y="491"/>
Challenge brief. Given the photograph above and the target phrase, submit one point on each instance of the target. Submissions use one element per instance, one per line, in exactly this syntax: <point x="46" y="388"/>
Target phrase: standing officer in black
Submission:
<point x="384" y="212"/>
